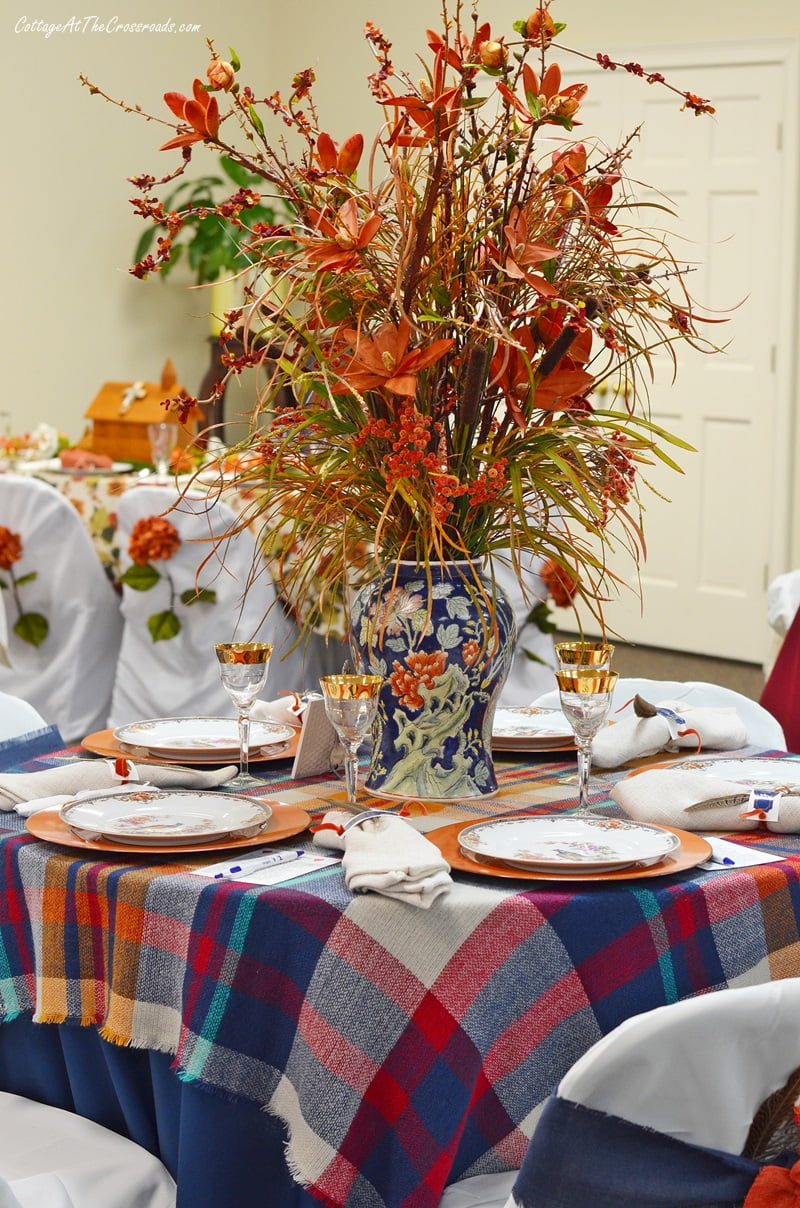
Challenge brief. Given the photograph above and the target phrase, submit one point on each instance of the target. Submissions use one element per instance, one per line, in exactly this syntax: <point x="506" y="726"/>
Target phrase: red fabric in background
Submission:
<point x="781" y="695"/>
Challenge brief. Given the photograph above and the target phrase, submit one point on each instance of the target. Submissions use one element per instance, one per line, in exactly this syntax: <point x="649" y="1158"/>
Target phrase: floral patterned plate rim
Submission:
<point x="763" y="772"/>
<point x="286" y="820"/>
<point x="54" y="465"/>
<point x="165" y="816"/>
<point x="525" y="722"/>
<point x="102" y="742"/>
<point x="567" y="842"/>
<point x="199" y="735"/>
<point x="692" y="850"/>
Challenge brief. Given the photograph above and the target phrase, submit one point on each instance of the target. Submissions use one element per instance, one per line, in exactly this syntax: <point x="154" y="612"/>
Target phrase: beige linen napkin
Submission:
<point x="385" y="854"/>
<point x="674" y="726"/>
<point x="27" y="792"/>
<point x="697" y="802"/>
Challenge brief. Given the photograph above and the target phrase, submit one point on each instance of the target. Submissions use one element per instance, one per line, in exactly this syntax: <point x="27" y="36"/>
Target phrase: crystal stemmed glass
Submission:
<point x="351" y="702"/>
<point x="584" y="654"/>
<point x="160" y="437"/>
<point x="243" y="668"/>
<point x="586" y="695"/>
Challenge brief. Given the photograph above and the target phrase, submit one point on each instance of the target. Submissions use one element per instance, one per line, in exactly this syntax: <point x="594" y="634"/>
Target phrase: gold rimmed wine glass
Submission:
<point x="584" y="654"/>
<point x="351" y="702"/>
<point x="243" y="668"/>
<point x="586" y="695"/>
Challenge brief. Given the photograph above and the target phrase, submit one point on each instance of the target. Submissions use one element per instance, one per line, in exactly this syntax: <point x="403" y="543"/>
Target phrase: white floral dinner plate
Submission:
<point x="54" y="464"/>
<point x="771" y="775"/>
<point x="209" y="737"/>
<point x="525" y="723"/>
<point x="568" y="843"/>
<point x="165" y="816"/>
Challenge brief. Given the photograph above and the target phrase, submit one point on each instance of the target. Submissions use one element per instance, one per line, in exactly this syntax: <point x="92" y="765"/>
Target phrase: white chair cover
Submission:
<point x="18" y="717"/>
<point x="479" y="1191"/>
<point x="5" y="661"/>
<point x="68" y="678"/>
<point x="527" y="676"/>
<point x="179" y="676"/>
<point x="51" y="1158"/>
<point x="696" y="1070"/>
<point x="762" y="728"/>
<point x="783" y="601"/>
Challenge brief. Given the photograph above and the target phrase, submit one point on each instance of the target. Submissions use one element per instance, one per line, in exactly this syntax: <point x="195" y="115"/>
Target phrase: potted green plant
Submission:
<point x="206" y="227"/>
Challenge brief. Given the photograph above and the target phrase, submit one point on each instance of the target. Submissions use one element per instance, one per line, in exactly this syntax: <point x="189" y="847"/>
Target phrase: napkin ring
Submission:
<point x="125" y="769"/>
<point x="764" y="804"/>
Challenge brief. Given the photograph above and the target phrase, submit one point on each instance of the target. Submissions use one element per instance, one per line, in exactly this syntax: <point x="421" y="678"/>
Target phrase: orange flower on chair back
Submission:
<point x="154" y="539"/>
<point x="31" y="627"/>
<point x="775" y="1187"/>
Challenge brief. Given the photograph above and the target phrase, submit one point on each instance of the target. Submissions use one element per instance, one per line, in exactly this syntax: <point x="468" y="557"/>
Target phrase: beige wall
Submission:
<point x="74" y="317"/>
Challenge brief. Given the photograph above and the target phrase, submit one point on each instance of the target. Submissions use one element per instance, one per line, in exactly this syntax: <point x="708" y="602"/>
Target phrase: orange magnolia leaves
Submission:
<point x="554" y="391"/>
<point x="524" y="253"/>
<point x="595" y="195"/>
<point x="342" y="237"/>
<point x="465" y="54"/>
<point x="545" y="100"/>
<point x="515" y="370"/>
<point x="334" y="159"/>
<point x="386" y="360"/>
<point x="200" y="111"/>
<point x="436" y="114"/>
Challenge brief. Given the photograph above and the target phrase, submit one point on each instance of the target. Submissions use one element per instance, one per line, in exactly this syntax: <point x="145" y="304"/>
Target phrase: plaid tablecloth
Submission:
<point x="402" y="1048"/>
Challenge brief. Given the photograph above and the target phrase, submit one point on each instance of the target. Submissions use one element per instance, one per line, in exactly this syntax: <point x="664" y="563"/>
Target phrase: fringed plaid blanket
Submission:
<point x="402" y="1048"/>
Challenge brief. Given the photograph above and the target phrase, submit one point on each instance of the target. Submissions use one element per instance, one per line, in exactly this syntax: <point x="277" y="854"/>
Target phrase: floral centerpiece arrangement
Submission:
<point x="446" y="306"/>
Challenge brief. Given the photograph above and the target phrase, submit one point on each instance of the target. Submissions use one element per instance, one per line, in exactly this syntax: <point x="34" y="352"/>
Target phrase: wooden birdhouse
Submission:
<point x="121" y="412"/>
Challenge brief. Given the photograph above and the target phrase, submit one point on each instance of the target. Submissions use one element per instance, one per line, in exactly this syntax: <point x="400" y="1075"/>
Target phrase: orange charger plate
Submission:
<point x="692" y="851"/>
<point x="103" y="742"/>
<point x="286" y="820"/>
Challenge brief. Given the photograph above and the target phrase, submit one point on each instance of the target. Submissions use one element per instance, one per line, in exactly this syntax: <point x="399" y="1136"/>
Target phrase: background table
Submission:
<point x="95" y="498"/>
<point x="401" y="1048"/>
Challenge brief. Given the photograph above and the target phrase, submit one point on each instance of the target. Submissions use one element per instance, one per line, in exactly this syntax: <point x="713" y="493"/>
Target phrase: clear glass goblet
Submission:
<point x="584" y="654"/>
<point x="351" y="702"/>
<point x="586" y="696"/>
<point x="161" y="438"/>
<point x="243" y="668"/>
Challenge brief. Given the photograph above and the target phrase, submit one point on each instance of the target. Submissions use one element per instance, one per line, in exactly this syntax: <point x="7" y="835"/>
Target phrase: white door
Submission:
<point x="722" y="532"/>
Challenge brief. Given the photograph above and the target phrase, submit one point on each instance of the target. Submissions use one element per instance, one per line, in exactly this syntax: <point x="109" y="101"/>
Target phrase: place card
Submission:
<point x="726" y="855"/>
<point x="254" y="869"/>
<point x="316" y="742"/>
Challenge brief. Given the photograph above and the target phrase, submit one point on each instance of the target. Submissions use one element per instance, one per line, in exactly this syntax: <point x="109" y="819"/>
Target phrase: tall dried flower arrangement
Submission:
<point x="446" y="307"/>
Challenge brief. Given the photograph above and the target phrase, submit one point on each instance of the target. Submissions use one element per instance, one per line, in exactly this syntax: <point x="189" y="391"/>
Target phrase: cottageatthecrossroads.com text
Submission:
<point x="97" y="25"/>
